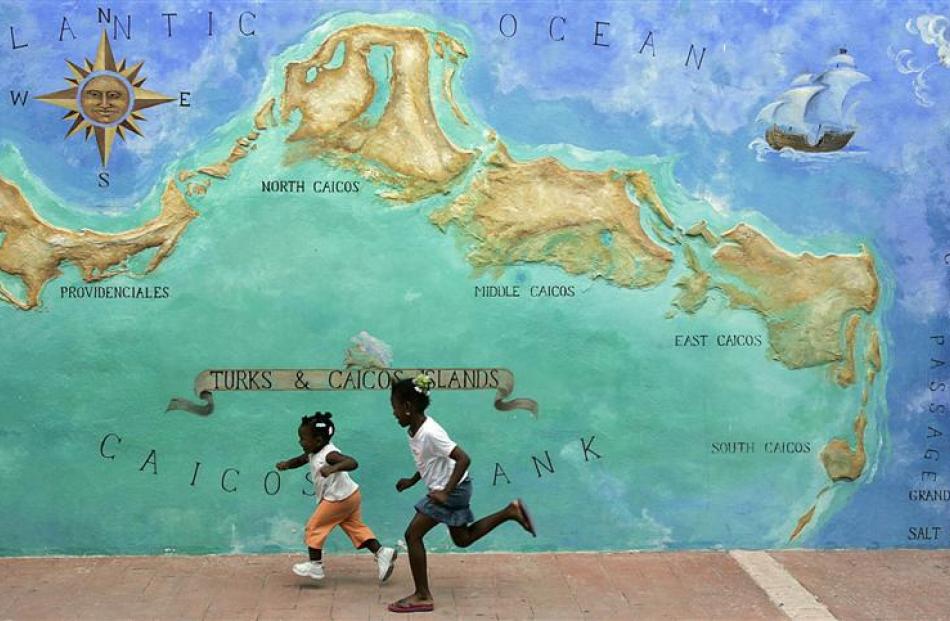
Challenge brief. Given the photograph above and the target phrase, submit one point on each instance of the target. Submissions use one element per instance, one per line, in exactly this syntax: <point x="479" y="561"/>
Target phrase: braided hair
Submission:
<point x="320" y="424"/>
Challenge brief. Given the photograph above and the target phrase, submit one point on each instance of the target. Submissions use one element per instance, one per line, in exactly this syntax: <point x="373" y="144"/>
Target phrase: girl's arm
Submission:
<point x="404" y="484"/>
<point x="462" y="462"/>
<point x="338" y="462"/>
<point x="293" y="462"/>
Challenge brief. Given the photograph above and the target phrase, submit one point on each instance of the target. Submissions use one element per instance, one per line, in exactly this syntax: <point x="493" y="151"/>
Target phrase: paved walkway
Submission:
<point x="898" y="584"/>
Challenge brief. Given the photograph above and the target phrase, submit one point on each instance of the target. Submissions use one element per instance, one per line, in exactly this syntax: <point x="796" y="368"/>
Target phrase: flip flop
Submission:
<point x="408" y="607"/>
<point x="527" y="517"/>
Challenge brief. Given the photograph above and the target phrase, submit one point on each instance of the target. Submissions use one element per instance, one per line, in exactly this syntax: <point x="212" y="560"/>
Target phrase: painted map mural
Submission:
<point x="679" y="270"/>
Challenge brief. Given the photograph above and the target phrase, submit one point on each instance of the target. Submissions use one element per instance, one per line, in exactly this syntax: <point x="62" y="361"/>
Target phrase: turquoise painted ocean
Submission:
<point x="263" y="280"/>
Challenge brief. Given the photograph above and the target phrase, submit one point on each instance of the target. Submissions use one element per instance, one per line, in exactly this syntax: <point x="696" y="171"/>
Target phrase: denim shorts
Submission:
<point x="456" y="511"/>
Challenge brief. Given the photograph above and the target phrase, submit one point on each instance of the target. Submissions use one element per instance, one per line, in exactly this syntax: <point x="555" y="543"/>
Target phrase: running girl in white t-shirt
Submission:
<point x="338" y="497"/>
<point x="443" y="466"/>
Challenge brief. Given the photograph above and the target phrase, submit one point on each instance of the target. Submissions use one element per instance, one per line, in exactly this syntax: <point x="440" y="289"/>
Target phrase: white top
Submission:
<point x="338" y="486"/>
<point x="430" y="448"/>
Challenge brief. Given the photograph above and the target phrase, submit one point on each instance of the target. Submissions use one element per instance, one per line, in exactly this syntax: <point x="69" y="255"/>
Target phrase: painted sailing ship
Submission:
<point x="810" y="116"/>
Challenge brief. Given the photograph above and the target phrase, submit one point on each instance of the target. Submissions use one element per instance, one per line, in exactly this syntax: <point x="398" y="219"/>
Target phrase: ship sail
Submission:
<point x="789" y="110"/>
<point x="767" y="115"/>
<point x="849" y="116"/>
<point x="803" y="79"/>
<point x="842" y="59"/>
<point x="827" y="107"/>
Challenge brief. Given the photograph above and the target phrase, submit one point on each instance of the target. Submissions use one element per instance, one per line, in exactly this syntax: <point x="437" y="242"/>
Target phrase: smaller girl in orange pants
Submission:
<point x="338" y="497"/>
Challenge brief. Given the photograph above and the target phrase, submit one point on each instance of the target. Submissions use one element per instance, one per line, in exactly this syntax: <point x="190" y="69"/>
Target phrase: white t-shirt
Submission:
<point x="338" y="486"/>
<point x="430" y="448"/>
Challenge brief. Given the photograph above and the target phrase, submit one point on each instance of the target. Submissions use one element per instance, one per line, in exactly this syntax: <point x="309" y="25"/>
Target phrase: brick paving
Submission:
<point x="655" y="585"/>
<point x="897" y="584"/>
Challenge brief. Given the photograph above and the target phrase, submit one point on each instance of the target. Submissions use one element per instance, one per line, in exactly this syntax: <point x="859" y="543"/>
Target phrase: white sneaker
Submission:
<point x="310" y="569"/>
<point x="386" y="561"/>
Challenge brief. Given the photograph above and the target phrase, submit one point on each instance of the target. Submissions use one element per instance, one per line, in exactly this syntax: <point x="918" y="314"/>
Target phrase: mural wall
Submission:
<point x="679" y="272"/>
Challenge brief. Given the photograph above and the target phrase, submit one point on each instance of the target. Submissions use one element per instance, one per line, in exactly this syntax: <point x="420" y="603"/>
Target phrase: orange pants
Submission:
<point x="343" y="513"/>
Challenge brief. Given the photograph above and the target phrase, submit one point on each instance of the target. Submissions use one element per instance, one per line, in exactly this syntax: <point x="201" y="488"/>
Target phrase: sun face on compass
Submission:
<point x="105" y="98"/>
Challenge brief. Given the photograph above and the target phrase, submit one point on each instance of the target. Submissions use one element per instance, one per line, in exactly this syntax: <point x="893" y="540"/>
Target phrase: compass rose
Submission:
<point x="105" y="98"/>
